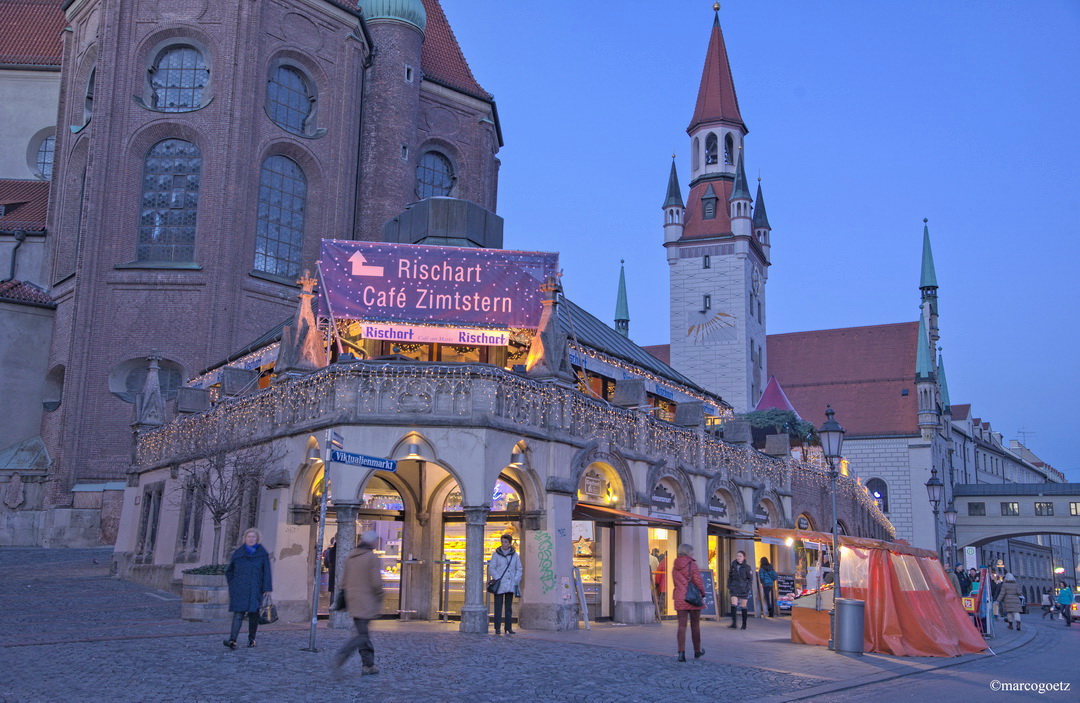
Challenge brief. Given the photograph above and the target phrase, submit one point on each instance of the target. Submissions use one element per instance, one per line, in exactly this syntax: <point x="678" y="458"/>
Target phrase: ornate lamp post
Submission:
<point x="950" y="522"/>
<point x="935" y="490"/>
<point x="832" y="442"/>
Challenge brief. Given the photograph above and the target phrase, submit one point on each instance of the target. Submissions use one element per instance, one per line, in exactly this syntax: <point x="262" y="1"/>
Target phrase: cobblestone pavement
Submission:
<point x="73" y="633"/>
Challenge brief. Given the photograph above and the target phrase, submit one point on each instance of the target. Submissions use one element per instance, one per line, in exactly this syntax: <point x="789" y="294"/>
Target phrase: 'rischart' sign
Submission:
<point x="446" y="285"/>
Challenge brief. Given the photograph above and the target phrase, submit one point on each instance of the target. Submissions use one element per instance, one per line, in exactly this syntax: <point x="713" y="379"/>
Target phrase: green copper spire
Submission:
<point x="622" y="310"/>
<point x="944" y="384"/>
<point x="761" y="219"/>
<point x="929" y="278"/>
<point x="740" y="190"/>
<point x="924" y="357"/>
<point x="674" y="192"/>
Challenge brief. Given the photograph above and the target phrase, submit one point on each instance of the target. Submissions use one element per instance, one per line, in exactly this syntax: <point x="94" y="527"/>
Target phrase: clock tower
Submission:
<point x="718" y="247"/>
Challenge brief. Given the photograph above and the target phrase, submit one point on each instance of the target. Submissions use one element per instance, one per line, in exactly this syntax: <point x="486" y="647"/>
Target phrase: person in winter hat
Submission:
<point x="505" y="565"/>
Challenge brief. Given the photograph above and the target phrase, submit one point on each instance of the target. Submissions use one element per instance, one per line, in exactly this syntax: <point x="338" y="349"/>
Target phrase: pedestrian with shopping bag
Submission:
<point x="689" y="596"/>
<point x="504" y="580"/>
<point x="1009" y="597"/>
<point x="248" y="576"/>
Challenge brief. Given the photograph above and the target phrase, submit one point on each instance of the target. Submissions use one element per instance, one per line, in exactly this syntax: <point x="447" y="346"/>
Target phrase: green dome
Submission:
<point x="411" y="11"/>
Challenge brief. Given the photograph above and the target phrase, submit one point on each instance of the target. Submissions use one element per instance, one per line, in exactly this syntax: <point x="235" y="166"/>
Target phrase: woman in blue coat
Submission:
<point x="248" y="575"/>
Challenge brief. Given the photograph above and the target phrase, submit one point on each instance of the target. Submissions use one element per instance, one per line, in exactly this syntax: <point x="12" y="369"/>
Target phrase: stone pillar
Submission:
<point x="346" y="540"/>
<point x="548" y="600"/>
<point x="630" y="569"/>
<point x="474" y="614"/>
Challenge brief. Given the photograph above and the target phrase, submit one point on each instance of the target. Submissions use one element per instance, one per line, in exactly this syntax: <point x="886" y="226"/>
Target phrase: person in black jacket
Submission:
<point x="740" y="580"/>
<point x="248" y="575"/>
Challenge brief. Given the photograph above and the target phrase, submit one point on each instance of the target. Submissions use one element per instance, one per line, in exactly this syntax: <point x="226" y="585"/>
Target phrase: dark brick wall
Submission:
<point x="107" y="315"/>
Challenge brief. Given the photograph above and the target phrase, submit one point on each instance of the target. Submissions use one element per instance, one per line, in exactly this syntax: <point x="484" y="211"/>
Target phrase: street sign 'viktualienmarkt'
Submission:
<point x="371" y="462"/>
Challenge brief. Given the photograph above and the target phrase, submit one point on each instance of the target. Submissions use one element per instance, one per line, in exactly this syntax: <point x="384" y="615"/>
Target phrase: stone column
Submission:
<point x="346" y="540"/>
<point x="548" y="600"/>
<point x="474" y="614"/>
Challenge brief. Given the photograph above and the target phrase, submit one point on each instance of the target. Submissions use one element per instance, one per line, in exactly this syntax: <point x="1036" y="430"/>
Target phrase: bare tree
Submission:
<point x="224" y="477"/>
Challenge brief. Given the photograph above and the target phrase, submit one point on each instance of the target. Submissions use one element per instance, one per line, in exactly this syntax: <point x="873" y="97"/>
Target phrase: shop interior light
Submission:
<point x="414" y="452"/>
<point x="516" y="457"/>
<point x="660" y="533"/>
<point x="789" y="541"/>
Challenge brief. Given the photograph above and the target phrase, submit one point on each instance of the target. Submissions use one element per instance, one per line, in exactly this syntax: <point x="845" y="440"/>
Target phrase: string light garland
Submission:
<point x="304" y="403"/>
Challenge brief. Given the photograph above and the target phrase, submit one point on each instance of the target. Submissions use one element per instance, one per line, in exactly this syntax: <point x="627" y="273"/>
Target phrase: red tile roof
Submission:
<point x="861" y="371"/>
<point x="25" y="203"/>
<point x="23" y="293"/>
<point x="660" y="351"/>
<point x="960" y="412"/>
<point x="30" y="32"/>
<point x="441" y="58"/>
<point x="716" y="96"/>
<point x="694" y="226"/>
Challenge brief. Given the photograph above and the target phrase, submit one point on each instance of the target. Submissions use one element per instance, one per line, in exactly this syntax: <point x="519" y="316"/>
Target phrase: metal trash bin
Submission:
<point x="849" y="625"/>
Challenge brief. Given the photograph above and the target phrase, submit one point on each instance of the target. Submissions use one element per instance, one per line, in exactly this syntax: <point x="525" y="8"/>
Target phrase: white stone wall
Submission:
<point x="28" y="104"/>
<point x="714" y="347"/>
<point x="889" y="460"/>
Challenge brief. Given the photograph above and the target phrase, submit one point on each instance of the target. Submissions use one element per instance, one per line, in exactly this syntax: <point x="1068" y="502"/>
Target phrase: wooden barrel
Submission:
<point x="204" y="598"/>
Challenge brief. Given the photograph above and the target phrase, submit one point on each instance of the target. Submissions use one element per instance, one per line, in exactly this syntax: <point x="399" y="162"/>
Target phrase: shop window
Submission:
<point x="170" y="202"/>
<point x="1010" y="509"/>
<point x="460" y="354"/>
<point x="434" y="175"/>
<point x="290" y="100"/>
<point x="149" y="516"/>
<point x="663" y="550"/>
<point x="189" y="530"/>
<point x="178" y="77"/>
<point x="1044" y="509"/>
<point x="976" y="509"/>
<point x="879" y="491"/>
<point x="279" y="238"/>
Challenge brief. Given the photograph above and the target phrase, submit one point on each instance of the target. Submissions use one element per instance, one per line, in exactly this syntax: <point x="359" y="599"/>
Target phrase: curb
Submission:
<point x="894" y="663"/>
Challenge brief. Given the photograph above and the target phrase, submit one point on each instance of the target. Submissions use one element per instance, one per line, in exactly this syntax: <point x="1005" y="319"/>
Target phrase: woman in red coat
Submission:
<point x="683" y="572"/>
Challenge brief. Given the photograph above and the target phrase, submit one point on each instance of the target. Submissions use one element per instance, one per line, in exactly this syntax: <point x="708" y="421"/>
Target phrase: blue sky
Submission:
<point x="864" y="118"/>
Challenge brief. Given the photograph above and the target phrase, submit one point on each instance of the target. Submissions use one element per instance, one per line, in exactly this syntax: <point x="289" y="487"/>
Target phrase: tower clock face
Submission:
<point x="709" y="326"/>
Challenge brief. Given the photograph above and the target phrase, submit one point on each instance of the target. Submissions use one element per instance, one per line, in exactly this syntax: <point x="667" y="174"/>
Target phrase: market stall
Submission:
<point x="911" y="608"/>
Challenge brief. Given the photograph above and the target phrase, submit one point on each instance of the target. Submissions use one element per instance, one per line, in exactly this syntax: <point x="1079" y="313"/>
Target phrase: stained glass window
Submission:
<point x="279" y="239"/>
<point x="289" y="99"/>
<point x="178" y="78"/>
<point x="434" y="175"/>
<point x="170" y="202"/>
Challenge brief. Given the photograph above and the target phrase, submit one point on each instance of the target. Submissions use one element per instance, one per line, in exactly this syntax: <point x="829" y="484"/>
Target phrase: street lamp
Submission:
<point x="935" y="489"/>
<point x="832" y="442"/>
<point x="950" y="520"/>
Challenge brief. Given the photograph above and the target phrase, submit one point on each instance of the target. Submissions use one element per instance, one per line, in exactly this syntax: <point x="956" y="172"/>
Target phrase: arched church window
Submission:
<point x="695" y="156"/>
<point x="170" y="201"/>
<point x="279" y="238"/>
<point x="879" y="491"/>
<point x="290" y="99"/>
<point x="729" y="150"/>
<point x="710" y="149"/>
<point x="45" y="151"/>
<point x="177" y="79"/>
<point x="434" y="175"/>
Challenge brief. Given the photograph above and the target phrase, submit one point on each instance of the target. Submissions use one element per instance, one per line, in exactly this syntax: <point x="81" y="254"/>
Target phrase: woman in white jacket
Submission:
<point x="504" y="568"/>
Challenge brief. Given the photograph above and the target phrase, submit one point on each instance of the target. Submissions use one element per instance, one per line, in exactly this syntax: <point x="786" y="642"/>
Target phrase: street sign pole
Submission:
<point x="318" y="552"/>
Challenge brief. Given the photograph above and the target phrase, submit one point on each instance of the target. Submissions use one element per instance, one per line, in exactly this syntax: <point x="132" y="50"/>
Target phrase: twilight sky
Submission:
<point x="864" y="118"/>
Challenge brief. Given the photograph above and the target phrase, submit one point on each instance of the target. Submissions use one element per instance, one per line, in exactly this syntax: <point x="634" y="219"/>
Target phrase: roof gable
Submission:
<point x="441" y="58"/>
<point x="862" y="372"/>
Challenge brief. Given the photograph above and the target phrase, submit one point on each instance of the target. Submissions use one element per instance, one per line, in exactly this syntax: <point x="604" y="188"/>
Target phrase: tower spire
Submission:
<point x="928" y="285"/>
<point x="674" y="192"/>
<point x="924" y="356"/>
<point x="674" y="210"/>
<point x="739" y="202"/>
<point x="945" y="403"/>
<point x="740" y="191"/>
<point x="762" y="229"/>
<point x="622" y="310"/>
<point x="716" y="100"/>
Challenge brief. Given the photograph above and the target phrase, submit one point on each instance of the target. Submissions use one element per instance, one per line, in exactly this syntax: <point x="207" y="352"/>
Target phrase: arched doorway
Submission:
<point x="504" y="517"/>
<point x="592" y="533"/>
<point x="382" y="510"/>
<point x="667" y="503"/>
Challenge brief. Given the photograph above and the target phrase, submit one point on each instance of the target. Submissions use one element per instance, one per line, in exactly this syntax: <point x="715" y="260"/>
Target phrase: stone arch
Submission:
<point x="404" y="489"/>
<point x="660" y="471"/>
<point x="532" y="487"/>
<point x="306" y="472"/>
<point x="169" y="33"/>
<point x="731" y="493"/>
<point x="614" y="462"/>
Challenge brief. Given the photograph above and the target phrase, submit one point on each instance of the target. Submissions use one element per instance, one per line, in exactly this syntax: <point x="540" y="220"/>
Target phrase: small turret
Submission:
<point x="739" y="202"/>
<point x="622" y="310"/>
<point x="928" y="285"/>
<point x="674" y="209"/>
<point x="762" y="230"/>
<point x="926" y="382"/>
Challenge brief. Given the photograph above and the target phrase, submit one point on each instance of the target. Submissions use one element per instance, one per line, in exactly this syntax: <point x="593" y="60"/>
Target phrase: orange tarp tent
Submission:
<point x="911" y="607"/>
